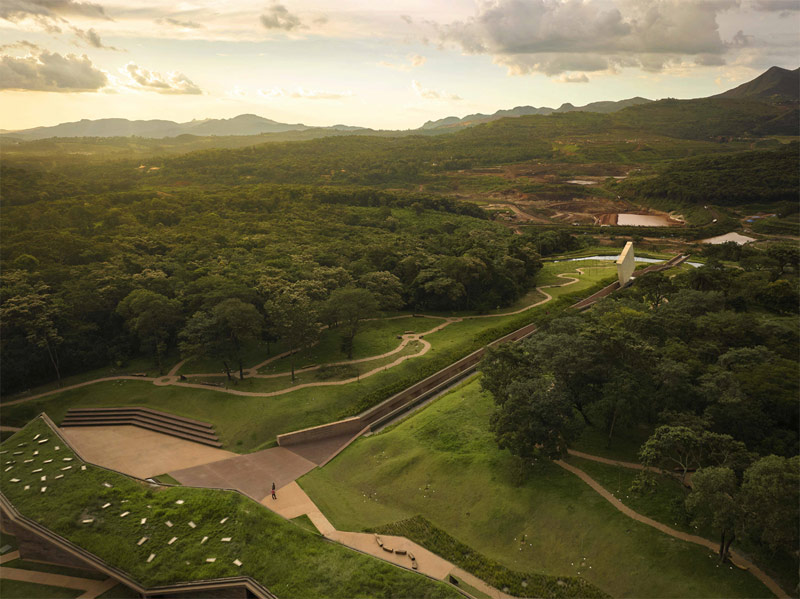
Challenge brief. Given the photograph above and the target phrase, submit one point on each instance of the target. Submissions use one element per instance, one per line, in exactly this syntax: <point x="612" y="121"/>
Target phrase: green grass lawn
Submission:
<point x="16" y="589"/>
<point x="269" y="547"/>
<point x="443" y="464"/>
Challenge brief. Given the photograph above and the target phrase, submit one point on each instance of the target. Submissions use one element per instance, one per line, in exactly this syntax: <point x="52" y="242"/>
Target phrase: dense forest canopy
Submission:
<point x="79" y="257"/>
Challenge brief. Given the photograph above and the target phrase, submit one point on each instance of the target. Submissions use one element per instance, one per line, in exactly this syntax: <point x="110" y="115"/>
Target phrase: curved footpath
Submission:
<point x="736" y="557"/>
<point x="172" y="378"/>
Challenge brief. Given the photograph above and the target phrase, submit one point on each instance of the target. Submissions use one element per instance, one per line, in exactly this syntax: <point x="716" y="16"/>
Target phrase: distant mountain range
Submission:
<point x="474" y="119"/>
<point x="244" y="124"/>
<point x="774" y="85"/>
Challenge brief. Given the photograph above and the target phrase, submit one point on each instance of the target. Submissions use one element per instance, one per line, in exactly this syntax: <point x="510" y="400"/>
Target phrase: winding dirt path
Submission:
<point x="174" y="379"/>
<point x="736" y="558"/>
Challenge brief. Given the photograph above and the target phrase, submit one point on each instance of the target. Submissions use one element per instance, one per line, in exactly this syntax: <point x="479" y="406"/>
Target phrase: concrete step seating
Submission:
<point x="160" y="422"/>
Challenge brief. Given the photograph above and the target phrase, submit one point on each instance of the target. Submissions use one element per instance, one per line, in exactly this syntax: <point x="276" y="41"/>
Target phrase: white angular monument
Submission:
<point x="625" y="264"/>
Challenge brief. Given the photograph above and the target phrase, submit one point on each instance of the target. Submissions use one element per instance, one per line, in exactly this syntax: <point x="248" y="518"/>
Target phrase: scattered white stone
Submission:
<point x="142" y="540"/>
<point x="102" y="507"/>
<point x="143" y="521"/>
<point x="211" y="560"/>
<point x="37" y="436"/>
<point x="11" y="462"/>
<point x="226" y="539"/>
<point x="172" y="540"/>
<point x="9" y="468"/>
<point x="26" y="487"/>
<point x="204" y="540"/>
<point x="37" y="470"/>
<point x="44" y="489"/>
<point x="83" y="467"/>
<point x="192" y="525"/>
<point x="236" y="562"/>
<point x="21" y="444"/>
<point x="168" y="523"/>
<point x="150" y="559"/>
<point x="124" y="501"/>
<point x="123" y="514"/>
<point x="58" y="447"/>
<point x="28" y="461"/>
<point x="88" y="521"/>
<point x="60" y="476"/>
<point x="18" y="453"/>
<point x="14" y="480"/>
<point x="224" y="520"/>
<point x="44" y="478"/>
<point x="35" y="453"/>
<point x="67" y="459"/>
<point x="43" y="441"/>
<point x="47" y="461"/>
<point x="67" y="468"/>
<point x="104" y="484"/>
<point x="4" y="451"/>
<point x="179" y="502"/>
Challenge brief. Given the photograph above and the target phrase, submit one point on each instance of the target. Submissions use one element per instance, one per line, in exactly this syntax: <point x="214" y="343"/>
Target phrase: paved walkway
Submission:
<point x="137" y="451"/>
<point x="292" y="502"/>
<point x="735" y="557"/>
<point x="252" y="474"/>
<point x="92" y="588"/>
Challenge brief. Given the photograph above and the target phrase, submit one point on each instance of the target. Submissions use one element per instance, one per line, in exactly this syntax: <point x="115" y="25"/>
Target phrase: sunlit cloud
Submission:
<point x="414" y="61"/>
<point x="432" y="94"/>
<point x="171" y="82"/>
<point x="50" y="72"/>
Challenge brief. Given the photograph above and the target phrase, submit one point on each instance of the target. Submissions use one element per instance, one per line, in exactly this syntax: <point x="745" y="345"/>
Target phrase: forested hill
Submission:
<point x="758" y="177"/>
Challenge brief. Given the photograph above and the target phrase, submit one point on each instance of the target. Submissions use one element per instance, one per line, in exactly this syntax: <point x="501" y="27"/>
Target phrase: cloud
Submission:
<point x="574" y="78"/>
<point x="776" y="5"/>
<point x="91" y="37"/>
<point x="432" y="94"/>
<point x="177" y="23"/>
<point x="17" y="10"/>
<point x="50" y="72"/>
<point x="170" y="83"/>
<point x="555" y="36"/>
<point x="279" y="17"/>
<point x="414" y="61"/>
<point x="304" y="94"/>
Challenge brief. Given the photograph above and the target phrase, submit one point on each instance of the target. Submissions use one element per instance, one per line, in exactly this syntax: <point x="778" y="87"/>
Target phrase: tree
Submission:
<point x="296" y="320"/>
<point x="348" y="307"/>
<point x="220" y="333"/>
<point x="386" y="287"/>
<point x="34" y="311"/>
<point x="654" y="287"/>
<point x="770" y="496"/>
<point x="534" y="415"/>
<point x="153" y="318"/>
<point x="714" y="502"/>
<point x="684" y="448"/>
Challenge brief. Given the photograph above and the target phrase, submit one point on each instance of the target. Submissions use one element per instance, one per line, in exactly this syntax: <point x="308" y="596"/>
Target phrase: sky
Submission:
<point x="384" y="64"/>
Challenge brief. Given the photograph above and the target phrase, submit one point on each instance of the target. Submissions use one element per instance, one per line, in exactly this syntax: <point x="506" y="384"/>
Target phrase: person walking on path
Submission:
<point x="273" y="491"/>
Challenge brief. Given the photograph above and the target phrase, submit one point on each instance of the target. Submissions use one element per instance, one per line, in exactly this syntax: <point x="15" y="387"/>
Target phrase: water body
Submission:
<point x="642" y="220"/>
<point x="581" y="182"/>
<point x="735" y="237"/>
<point x="614" y="259"/>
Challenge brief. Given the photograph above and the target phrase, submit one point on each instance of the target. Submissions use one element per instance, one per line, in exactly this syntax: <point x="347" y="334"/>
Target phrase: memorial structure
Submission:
<point x="626" y="264"/>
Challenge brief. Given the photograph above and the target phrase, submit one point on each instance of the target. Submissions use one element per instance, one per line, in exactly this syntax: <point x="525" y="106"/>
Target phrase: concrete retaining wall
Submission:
<point x="349" y="426"/>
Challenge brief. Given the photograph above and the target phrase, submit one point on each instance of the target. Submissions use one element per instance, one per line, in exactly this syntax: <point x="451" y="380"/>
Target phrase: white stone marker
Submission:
<point x="226" y="539"/>
<point x="28" y="461"/>
<point x="67" y="468"/>
<point x="18" y="453"/>
<point x="102" y="507"/>
<point x="143" y="521"/>
<point x="9" y="468"/>
<point x="192" y="525"/>
<point x="179" y="502"/>
<point x="204" y="540"/>
<point x="172" y="540"/>
<point x="36" y="452"/>
<point x="37" y="436"/>
<point x="236" y="562"/>
<point x="37" y="470"/>
<point x="60" y="476"/>
<point x="47" y="461"/>
<point x="123" y="514"/>
<point x="58" y="447"/>
<point x="88" y="521"/>
<point x="44" y="478"/>
<point x="83" y="467"/>
<point x="168" y="523"/>
<point x="104" y="484"/>
<point x="43" y="441"/>
<point x="26" y="487"/>
<point x="150" y="559"/>
<point x="211" y="560"/>
<point x="44" y="489"/>
<point x="224" y="520"/>
<point x="14" y="480"/>
<point x="142" y="540"/>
